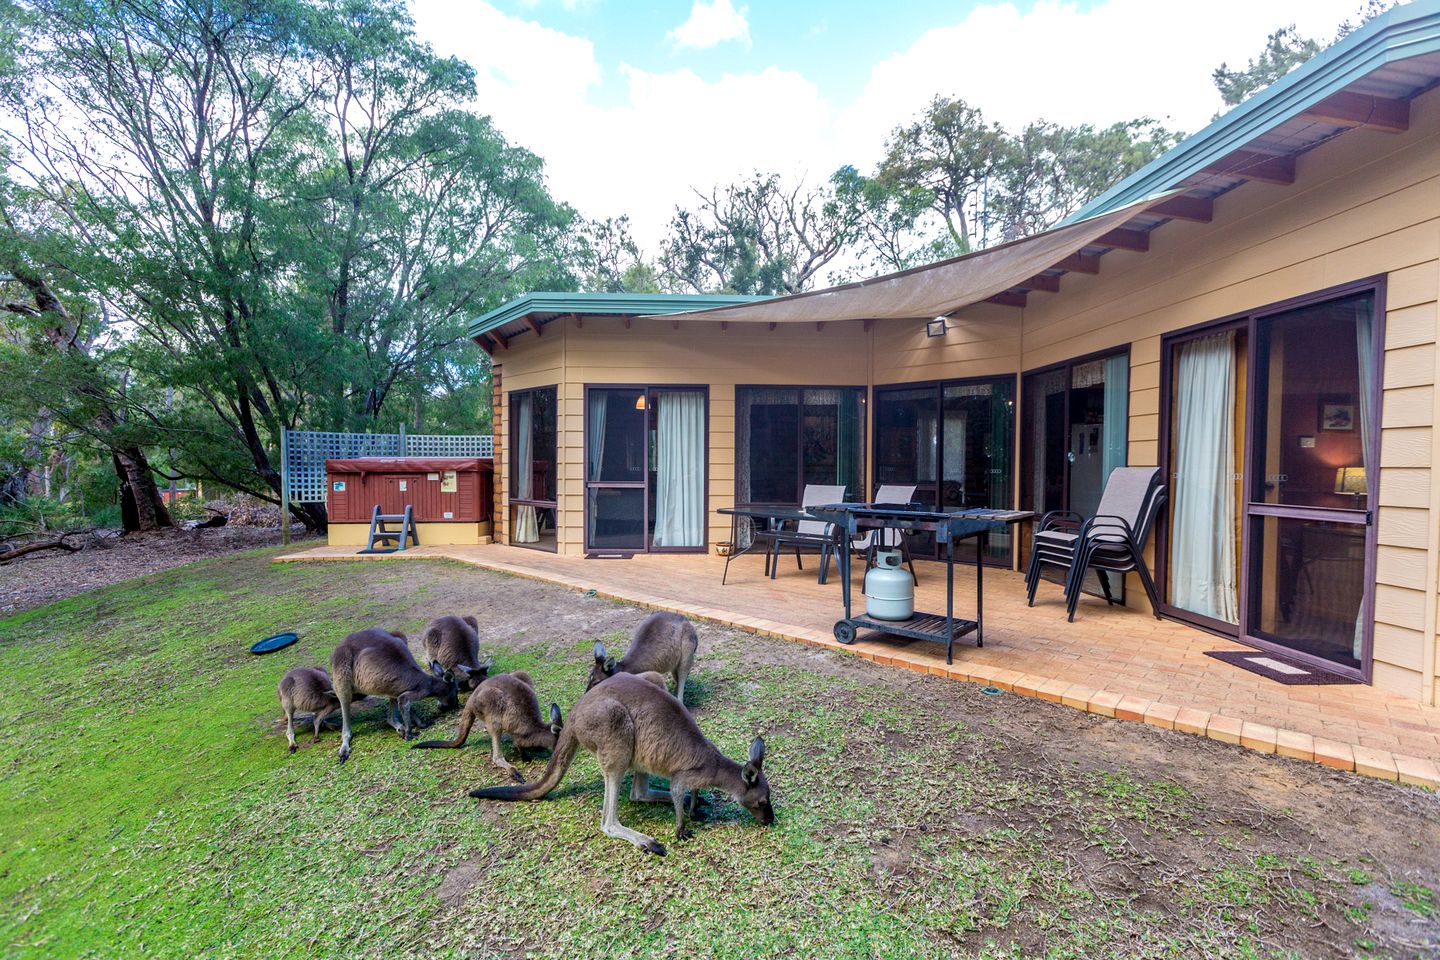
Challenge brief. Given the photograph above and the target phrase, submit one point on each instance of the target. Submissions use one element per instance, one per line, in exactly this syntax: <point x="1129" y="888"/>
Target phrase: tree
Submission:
<point x="952" y="153"/>
<point x="292" y="212"/>
<point x="757" y="236"/>
<point x="52" y="364"/>
<point x="1049" y="171"/>
<point x="983" y="184"/>
<point x="610" y="261"/>
<point x="1284" y="50"/>
<point x="892" y="229"/>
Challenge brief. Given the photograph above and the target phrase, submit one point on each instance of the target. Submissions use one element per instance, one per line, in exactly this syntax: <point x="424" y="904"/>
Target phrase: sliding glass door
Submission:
<point x="1272" y="446"/>
<point x="532" y="468"/>
<point x="1075" y="430"/>
<point x="645" y="454"/>
<point x="952" y="441"/>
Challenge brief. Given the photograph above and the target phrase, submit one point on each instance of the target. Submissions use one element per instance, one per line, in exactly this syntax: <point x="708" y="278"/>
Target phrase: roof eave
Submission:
<point x="593" y="304"/>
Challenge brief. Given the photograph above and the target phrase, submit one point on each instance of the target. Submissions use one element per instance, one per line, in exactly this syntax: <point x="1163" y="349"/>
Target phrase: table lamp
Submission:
<point x="1351" y="480"/>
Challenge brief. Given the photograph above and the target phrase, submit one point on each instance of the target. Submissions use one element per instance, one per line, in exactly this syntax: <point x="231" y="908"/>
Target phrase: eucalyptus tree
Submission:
<point x="758" y="235"/>
<point x="288" y="201"/>
<point x="952" y="154"/>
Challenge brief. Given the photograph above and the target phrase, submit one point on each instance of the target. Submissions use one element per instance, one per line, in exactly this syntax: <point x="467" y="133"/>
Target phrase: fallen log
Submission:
<point x="16" y="553"/>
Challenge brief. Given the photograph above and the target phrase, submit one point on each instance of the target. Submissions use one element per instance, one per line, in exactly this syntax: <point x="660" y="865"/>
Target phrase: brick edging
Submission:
<point x="1264" y="738"/>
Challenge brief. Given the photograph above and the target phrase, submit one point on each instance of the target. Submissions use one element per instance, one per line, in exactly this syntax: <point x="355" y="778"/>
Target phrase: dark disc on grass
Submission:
<point x="278" y="642"/>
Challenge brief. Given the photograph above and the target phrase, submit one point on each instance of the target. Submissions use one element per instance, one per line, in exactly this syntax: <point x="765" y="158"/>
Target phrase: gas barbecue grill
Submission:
<point x="949" y="528"/>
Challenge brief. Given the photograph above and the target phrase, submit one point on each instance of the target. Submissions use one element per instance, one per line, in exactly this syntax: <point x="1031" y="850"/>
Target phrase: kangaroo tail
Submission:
<point x="554" y="772"/>
<point x="467" y="720"/>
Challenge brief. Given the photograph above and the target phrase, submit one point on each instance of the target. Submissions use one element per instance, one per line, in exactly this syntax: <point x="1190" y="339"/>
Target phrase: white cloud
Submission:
<point x="669" y="133"/>
<point x="711" y="24"/>
<point x="641" y="151"/>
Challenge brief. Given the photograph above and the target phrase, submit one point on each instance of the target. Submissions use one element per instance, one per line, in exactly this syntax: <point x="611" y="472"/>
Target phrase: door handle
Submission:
<point x="1070" y="456"/>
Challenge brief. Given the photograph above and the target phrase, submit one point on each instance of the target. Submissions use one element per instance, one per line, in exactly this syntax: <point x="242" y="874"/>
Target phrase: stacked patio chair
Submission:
<point x="876" y="540"/>
<point x="1112" y="541"/>
<point x="809" y="534"/>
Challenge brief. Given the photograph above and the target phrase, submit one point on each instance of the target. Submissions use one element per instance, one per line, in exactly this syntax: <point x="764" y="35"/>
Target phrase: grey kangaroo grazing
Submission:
<point x="630" y="724"/>
<point x="379" y="663"/>
<point x="506" y="703"/>
<point x="664" y="643"/>
<point x="454" y="643"/>
<point x="306" y="688"/>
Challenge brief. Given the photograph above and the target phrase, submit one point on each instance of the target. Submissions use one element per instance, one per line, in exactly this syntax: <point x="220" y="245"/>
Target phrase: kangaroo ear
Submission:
<point x="437" y="670"/>
<point x="556" y="721"/>
<point x="474" y="624"/>
<point x="399" y="636"/>
<point x="600" y="653"/>
<point x="484" y="668"/>
<point x="610" y="666"/>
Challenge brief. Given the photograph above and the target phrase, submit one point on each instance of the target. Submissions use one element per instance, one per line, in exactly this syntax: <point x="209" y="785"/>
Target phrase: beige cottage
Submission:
<point x="1255" y="313"/>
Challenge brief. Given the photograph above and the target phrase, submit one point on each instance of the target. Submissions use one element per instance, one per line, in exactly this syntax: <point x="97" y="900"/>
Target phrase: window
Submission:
<point x="532" y="468"/>
<point x="788" y="437"/>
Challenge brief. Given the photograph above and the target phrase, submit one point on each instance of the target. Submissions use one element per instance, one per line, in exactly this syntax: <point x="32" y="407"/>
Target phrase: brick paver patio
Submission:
<point x="1112" y="660"/>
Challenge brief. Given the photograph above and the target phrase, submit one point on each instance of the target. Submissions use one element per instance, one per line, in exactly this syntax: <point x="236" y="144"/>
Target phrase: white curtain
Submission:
<point x="598" y="407"/>
<point x="1365" y="355"/>
<point x="926" y="440"/>
<point x="1117" y="410"/>
<point x="1202" y="538"/>
<point x="680" y="469"/>
<point x="527" y="526"/>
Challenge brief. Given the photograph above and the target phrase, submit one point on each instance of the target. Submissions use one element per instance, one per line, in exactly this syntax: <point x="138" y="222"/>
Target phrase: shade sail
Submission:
<point x="922" y="293"/>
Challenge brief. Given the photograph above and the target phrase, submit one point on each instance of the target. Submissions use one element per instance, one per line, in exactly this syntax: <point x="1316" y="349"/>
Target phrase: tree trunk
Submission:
<point x="141" y="506"/>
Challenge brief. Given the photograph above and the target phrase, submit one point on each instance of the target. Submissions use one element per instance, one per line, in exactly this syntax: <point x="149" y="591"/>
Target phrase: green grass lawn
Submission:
<point x="149" y="806"/>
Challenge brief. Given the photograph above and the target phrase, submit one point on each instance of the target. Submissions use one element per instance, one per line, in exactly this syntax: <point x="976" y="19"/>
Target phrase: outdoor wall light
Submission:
<point x="935" y="328"/>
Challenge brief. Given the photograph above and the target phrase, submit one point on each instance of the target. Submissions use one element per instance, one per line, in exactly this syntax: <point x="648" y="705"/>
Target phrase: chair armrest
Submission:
<point x="1058" y="518"/>
<point x="1112" y="526"/>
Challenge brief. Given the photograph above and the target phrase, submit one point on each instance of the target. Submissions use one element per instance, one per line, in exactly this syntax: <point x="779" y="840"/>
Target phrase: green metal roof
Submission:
<point x="601" y="304"/>
<point x="1402" y="33"/>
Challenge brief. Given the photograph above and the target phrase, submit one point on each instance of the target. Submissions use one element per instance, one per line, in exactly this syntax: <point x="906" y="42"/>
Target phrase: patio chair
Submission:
<point x="809" y="534"/>
<point x="1112" y="541"/>
<point x="875" y="540"/>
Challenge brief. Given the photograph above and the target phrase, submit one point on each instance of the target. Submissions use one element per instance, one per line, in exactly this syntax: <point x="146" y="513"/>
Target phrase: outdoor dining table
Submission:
<point x="773" y="515"/>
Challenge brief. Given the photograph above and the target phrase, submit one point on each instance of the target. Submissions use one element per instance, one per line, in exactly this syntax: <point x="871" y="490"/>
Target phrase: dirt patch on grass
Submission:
<point x="46" y="577"/>
<point x="460" y="880"/>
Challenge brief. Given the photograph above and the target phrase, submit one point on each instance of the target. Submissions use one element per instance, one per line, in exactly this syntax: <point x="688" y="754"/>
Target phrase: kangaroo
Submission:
<point x="664" y="643"/>
<point x="379" y="663"/>
<point x="503" y="704"/>
<point x="454" y="643"/>
<point x="306" y="688"/>
<point x="630" y="724"/>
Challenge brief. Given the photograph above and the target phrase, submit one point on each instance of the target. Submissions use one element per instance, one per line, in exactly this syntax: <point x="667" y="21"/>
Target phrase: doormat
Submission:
<point x="599" y="555"/>
<point x="1277" y="668"/>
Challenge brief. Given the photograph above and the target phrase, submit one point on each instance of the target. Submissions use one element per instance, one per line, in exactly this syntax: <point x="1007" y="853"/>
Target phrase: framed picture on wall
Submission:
<point x="1337" y="414"/>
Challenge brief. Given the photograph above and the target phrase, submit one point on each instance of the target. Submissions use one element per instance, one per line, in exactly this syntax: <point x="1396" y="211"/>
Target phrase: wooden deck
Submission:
<point x="1112" y="660"/>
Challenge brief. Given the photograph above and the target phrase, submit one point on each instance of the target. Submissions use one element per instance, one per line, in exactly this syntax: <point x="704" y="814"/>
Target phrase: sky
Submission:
<point x="634" y="105"/>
